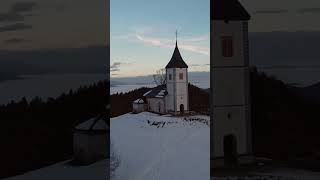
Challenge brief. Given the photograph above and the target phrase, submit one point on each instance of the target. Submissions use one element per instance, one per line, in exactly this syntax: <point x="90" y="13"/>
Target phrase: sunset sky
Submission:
<point x="143" y="35"/>
<point x="42" y="24"/>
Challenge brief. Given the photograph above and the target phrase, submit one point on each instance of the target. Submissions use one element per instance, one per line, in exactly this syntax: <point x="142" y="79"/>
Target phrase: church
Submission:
<point x="171" y="97"/>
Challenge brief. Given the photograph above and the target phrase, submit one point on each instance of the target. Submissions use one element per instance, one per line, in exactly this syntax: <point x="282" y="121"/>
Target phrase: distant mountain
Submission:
<point x="8" y="76"/>
<point x="200" y="79"/>
<point x="311" y="93"/>
<point x="308" y="94"/>
<point x="72" y="60"/>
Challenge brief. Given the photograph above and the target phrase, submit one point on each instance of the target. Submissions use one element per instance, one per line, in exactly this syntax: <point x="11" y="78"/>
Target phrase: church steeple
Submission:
<point x="176" y="59"/>
<point x="176" y="38"/>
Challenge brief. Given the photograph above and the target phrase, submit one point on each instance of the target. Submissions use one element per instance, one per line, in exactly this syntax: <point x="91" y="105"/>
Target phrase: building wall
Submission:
<point x="155" y="103"/>
<point x="80" y="146"/>
<point x="98" y="146"/>
<point x="170" y="89"/>
<point x="89" y="148"/>
<point x="177" y="89"/>
<point x="137" y="107"/>
<point x="234" y="123"/>
<point x="230" y="85"/>
<point x="236" y="29"/>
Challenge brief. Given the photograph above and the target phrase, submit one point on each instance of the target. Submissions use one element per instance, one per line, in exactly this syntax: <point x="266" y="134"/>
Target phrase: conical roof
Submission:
<point x="176" y="59"/>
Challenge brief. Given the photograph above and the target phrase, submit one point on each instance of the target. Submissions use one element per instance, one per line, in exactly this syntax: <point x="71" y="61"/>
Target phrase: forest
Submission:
<point x="38" y="133"/>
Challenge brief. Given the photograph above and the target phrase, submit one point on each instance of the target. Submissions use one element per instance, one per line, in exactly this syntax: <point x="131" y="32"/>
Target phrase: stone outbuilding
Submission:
<point x="91" y="141"/>
<point x="138" y="106"/>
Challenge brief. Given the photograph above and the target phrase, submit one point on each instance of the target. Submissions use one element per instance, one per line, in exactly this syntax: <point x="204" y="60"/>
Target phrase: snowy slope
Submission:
<point x="96" y="171"/>
<point x="170" y="149"/>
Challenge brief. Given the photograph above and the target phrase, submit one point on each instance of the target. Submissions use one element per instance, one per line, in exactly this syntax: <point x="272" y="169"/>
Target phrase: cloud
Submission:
<point x="164" y="43"/>
<point x="10" y="17"/>
<point x="197" y="39"/>
<point x="309" y="10"/>
<point x="61" y="7"/>
<point x="115" y="67"/>
<point x="14" y="14"/>
<point x="15" y="27"/>
<point x="15" y="41"/>
<point x="271" y="11"/>
<point x="199" y="65"/>
<point x="20" y="7"/>
<point x="290" y="67"/>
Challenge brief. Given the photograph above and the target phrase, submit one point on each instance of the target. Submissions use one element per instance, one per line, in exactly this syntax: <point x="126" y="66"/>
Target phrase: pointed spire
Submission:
<point x="176" y="59"/>
<point x="176" y="38"/>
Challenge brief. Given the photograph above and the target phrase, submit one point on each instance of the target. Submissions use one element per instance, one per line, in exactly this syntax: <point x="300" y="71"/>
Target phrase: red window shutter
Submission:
<point x="181" y="76"/>
<point x="227" y="46"/>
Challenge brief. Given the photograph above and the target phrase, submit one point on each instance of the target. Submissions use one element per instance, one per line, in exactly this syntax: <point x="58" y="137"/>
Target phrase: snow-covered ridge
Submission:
<point x="157" y="147"/>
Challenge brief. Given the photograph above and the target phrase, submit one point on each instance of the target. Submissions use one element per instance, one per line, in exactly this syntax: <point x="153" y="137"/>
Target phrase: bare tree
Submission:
<point x="160" y="77"/>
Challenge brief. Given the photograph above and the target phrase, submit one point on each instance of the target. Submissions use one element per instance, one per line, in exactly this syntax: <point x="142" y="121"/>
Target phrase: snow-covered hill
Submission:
<point x="96" y="171"/>
<point x="154" y="147"/>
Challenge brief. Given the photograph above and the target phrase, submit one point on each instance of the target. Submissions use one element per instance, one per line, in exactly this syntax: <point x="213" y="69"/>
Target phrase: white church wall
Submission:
<point x="236" y="30"/>
<point x="154" y="105"/>
<point x="170" y="89"/>
<point x="230" y="82"/>
<point x="177" y="89"/>
<point x="230" y="86"/>
<point x="236" y="125"/>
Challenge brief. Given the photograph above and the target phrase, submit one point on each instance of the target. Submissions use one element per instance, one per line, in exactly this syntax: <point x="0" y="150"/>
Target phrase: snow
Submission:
<point x="161" y="94"/>
<point x="62" y="170"/>
<point x="139" y="101"/>
<point x="99" y="125"/>
<point x="294" y="173"/>
<point x="154" y="147"/>
<point x="147" y="93"/>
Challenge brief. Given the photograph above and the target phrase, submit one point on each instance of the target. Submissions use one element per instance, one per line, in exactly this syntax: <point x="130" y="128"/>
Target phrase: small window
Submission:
<point x="170" y="76"/>
<point x="227" y="46"/>
<point x="180" y="76"/>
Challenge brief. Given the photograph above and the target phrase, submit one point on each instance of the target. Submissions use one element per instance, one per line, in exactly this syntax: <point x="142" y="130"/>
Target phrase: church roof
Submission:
<point x="138" y="101"/>
<point x="176" y="59"/>
<point x="157" y="92"/>
<point x="96" y="124"/>
<point x="228" y="10"/>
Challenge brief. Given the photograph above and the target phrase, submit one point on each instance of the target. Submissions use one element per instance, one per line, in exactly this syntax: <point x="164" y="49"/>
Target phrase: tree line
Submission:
<point x="39" y="132"/>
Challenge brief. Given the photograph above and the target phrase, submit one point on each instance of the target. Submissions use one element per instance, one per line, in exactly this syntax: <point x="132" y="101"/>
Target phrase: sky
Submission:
<point x="284" y="37"/>
<point x="284" y="15"/>
<point x="142" y="36"/>
<point x="51" y="24"/>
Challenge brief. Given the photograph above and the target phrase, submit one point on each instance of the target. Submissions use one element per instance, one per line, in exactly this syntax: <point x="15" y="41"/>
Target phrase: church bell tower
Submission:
<point x="177" y="101"/>
<point x="231" y="140"/>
